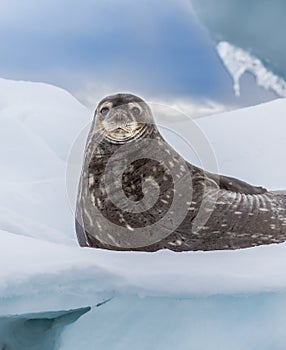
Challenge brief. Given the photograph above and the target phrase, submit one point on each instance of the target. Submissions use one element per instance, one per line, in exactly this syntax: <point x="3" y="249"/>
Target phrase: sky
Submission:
<point x="92" y="48"/>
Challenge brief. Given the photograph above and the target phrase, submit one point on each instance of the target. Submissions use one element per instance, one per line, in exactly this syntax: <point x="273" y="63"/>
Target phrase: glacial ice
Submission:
<point x="35" y="331"/>
<point x="249" y="38"/>
<point x="238" y="61"/>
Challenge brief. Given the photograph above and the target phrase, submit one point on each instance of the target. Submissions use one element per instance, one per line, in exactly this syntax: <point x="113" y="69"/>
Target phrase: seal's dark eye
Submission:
<point x="104" y="110"/>
<point x="135" y="111"/>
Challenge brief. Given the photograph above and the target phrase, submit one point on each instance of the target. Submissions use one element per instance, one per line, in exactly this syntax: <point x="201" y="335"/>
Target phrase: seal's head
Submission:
<point x="123" y="117"/>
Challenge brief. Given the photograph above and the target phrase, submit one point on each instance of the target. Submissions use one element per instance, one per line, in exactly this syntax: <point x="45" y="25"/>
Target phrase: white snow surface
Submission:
<point x="47" y="270"/>
<point x="38" y="124"/>
<point x="35" y="268"/>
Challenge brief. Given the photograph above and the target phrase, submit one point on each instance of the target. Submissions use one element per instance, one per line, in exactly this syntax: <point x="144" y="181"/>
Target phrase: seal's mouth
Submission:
<point x="123" y="134"/>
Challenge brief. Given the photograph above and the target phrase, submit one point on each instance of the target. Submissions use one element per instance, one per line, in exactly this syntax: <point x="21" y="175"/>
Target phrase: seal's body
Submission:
<point x="137" y="193"/>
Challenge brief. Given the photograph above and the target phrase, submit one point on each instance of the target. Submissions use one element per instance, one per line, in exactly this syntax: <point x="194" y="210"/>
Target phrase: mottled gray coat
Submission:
<point x="234" y="213"/>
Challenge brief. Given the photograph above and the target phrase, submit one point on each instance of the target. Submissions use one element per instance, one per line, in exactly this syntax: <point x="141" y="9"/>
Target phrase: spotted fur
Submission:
<point x="240" y="215"/>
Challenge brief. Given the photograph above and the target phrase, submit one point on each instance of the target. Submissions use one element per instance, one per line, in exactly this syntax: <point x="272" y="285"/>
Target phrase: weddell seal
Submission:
<point x="137" y="193"/>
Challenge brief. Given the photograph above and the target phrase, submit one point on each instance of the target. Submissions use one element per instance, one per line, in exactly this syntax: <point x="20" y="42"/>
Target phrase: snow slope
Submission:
<point x="248" y="143"/>
<point x="159" y="297"/>
<point x="38" y="123"/>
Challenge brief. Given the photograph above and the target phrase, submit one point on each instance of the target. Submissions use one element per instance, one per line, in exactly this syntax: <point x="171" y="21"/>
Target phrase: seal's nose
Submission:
<point x="116" y="116"/>
<point x="119" y="118"/>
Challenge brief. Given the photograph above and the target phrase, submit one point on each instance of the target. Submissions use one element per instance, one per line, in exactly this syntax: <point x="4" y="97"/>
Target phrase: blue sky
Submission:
<point x="96" y="47"/>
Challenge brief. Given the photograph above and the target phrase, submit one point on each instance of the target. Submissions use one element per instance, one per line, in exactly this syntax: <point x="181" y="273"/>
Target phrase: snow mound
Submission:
<point x="250" y="143"/>
<point x="49" y="115"/>
<point x="38" y="124"/>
